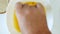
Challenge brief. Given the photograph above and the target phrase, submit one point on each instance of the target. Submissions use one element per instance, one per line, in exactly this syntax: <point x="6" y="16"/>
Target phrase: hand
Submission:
<point x="32" y="19"/>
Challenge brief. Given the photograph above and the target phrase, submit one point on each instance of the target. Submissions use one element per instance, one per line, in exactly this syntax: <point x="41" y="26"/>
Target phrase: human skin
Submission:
<point x="31" y="19"/>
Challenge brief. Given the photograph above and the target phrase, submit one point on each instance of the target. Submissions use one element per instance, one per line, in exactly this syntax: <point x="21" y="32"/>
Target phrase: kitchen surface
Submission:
<point x="3" y="24"/>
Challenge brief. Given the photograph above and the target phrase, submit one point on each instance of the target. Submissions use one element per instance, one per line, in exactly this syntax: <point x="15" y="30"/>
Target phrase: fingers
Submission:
<point x="41" y="8"/>
<point x="18" y="5"/>
<point x="38" y="5"/>
<point x="21" y="8"/>
<point x="18" y="8"/>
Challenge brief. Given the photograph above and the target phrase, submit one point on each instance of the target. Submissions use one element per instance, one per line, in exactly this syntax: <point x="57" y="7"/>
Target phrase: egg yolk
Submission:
<point x="16" y="26"/>
<point x="30" y="3"/>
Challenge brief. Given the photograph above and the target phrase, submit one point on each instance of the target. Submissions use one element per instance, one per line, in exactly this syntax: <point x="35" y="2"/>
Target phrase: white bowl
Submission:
<point x="10" y="11"/>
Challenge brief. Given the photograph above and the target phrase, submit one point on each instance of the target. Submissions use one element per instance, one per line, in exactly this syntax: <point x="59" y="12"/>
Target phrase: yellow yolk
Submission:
<point x="30" y="3"/>
<point x="16" y="26"/>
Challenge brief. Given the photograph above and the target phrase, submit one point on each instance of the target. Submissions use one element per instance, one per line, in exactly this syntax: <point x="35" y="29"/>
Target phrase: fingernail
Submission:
<point x="38" y="5"/>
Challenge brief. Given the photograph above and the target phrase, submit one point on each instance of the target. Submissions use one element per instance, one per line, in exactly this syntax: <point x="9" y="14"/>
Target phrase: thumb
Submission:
<point x="18" y="7"/>
<point x="41" y="8"/>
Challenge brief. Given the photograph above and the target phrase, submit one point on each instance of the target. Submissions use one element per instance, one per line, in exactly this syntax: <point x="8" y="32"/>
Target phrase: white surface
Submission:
<point x="3" y="24"/>
<point x="56" y="11"/>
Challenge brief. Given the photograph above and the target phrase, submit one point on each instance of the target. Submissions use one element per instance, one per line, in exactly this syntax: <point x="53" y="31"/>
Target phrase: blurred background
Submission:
<point x="56" y="17"/>
<point x="3" y="17"/>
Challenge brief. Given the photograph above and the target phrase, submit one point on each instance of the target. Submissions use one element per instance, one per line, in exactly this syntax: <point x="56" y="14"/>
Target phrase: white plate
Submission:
<point x="10" y="11"/>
